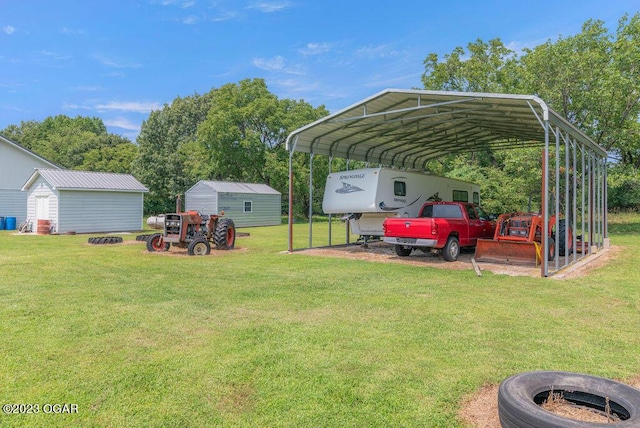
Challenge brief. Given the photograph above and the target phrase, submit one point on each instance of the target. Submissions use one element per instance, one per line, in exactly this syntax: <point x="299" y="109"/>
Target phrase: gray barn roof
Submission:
<point x="87" y="180"/>
<point x="231" y="187"/>
<point x="407" y="128"/>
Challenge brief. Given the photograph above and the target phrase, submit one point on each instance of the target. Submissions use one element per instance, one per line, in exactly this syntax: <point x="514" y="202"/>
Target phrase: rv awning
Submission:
<point x="407" y="128"/>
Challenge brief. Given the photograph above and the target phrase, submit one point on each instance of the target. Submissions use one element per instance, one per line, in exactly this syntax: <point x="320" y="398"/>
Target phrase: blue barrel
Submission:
<point x="1" y="223"/>
<point x="10" y="223"/>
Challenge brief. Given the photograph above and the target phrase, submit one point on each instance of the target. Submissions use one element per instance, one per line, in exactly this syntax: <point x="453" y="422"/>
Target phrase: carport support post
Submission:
<point x="544" y="266"/>
<point x="292" y="147"/>
<point x="311" y="199"/>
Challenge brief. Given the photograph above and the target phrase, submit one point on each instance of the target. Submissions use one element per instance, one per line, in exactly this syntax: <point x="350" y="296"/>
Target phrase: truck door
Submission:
<point x="475" y="225"/>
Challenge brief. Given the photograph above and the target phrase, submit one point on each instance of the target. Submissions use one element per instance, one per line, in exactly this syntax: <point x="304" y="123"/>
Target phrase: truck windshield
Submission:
<point x="442" y="211"/>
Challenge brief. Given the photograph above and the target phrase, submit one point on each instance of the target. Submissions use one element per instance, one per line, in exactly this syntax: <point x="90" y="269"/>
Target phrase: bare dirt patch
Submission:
<point x="385" y="253"/>
<point x="480" y="410"/>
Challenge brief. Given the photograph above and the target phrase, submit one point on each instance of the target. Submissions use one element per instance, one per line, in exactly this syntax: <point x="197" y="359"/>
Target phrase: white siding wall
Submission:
<point x="92" y="211"/>
<point x="16" y="166"/>
<point x="41" y="188"/>
<point x="13" y="203"/>
<point x="201" y="198"/>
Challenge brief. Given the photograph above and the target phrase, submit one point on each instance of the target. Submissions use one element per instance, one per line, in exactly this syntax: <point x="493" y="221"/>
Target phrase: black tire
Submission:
<point x="91" y="240"/>
<point x="142" y="237"/>
<point x="403" y="251"/>
<point x="552" y="249"/>
<point x="199" y="247"/>
<point x="156" y="243"/>
<point x="561" y="238"/>
<point x="520" y="398"/>
<point x="224" y="236"/>
<point x="451" y="249"/>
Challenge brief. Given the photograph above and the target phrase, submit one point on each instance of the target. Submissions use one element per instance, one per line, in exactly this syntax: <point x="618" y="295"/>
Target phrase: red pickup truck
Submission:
<point x="446" y="226"/>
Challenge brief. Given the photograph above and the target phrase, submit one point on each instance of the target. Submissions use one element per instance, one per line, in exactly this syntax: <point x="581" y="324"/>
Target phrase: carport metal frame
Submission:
<point x="408" y="128"/>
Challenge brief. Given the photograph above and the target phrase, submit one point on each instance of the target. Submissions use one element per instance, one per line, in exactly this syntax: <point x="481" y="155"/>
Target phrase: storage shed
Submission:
<point x="17" y="164"/>
<point x="84" y="201"/>
<point x="247" y="204"/>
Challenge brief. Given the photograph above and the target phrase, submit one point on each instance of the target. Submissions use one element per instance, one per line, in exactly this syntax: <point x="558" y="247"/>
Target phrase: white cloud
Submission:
<point x="315" y="49"/>
<point x="189" y="20"/>
<point x="55" y="55"/>
<point x="269" y="6"/>
<point x="71" y="31"/>
<point x="276" y="64"/>
<point x="122" y="123"/>
<point x="380" y="51"/>
<point x="110" y="62"/>
<point x="129" y="106"/>
<point x="8" y="29"/>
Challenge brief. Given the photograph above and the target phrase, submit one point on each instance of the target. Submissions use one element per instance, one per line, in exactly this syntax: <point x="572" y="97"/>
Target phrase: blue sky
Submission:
<point x="120" y="59"/>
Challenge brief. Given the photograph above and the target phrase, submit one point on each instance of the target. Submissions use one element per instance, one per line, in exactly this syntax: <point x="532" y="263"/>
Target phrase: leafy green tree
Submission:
<point x="244" y="135"/>
<point x="74" y="143"/>
<point x="168" y="156"/>
<point x="592" y="79"/>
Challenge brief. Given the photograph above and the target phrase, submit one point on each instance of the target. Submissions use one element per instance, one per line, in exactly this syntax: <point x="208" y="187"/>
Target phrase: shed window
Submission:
<point x="400" y="188"/>
<point x="248" y="206"/>
<point x="460" y="196"/>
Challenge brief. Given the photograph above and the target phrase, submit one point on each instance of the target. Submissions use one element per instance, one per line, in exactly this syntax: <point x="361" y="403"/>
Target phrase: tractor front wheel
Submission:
<point x="199" y="247"/>
<point x="225" y="234"/>
<point x="156" y="243"/>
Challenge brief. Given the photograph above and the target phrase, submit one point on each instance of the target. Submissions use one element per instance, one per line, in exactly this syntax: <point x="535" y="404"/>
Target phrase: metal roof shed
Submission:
<point x="408" y="128"/>
<point x="85" y="201"/>
<point x="247" y="204"/>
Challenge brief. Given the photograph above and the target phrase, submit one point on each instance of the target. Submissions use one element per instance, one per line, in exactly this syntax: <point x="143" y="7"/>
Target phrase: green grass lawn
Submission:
<point x="257" y="337"/>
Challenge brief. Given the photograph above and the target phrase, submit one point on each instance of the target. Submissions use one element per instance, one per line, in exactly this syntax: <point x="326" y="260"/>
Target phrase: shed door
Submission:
<point x="42" y="207"/>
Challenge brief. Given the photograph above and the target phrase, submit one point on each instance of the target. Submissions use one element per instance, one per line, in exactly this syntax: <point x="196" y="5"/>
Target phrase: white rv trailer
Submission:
<point x="368" y="196"/>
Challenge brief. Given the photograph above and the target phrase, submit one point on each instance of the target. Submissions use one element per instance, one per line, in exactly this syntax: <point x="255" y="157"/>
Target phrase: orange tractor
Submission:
<point x="518" y="239"/>
<point x="195" y="232"/>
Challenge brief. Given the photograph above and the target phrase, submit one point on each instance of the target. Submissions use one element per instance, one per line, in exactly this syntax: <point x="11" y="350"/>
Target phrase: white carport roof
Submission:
<point x="407" y="128"/>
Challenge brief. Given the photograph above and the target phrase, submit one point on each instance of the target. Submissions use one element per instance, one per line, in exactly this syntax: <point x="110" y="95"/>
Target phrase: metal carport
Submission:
<point x="408" y="128"/>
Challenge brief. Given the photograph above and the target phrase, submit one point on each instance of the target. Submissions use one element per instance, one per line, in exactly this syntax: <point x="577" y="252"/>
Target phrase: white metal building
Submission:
<point x="16" y="165"/>
<point x="84" y="201"/>
<point x="247" y="204"/>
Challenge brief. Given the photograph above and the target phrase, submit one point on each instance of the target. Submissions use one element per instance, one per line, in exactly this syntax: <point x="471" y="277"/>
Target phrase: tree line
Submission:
<point x="237" y="132"/>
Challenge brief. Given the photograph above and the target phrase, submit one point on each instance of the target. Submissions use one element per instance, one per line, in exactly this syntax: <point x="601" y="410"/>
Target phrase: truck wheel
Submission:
<point x="156" y="243"/>
<point x="403" y="251"/>
<point x="520" y="399"/>
<point x="225" y="234"/>
<point x="451" y="249"/>
<point x="199" y="247"/>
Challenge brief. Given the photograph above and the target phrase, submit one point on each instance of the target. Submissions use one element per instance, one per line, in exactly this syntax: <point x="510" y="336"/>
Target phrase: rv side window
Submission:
<point x="476" y="198"/>
<point x="460" y="196"/>
<point x="248" y="206"/>
<point x="400" y="188"/>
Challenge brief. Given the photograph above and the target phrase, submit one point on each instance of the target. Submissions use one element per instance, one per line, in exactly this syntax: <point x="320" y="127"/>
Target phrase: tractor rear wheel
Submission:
<point x="225" y="234"/>
<point x="199" y="247"/>
<point x="156" y="243"/>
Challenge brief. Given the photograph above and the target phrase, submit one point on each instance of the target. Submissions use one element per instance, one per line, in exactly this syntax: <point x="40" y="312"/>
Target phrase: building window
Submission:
<point x="248" y="206"/>
<point x="400" y="188"/>
<point x="460" y="196"/>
